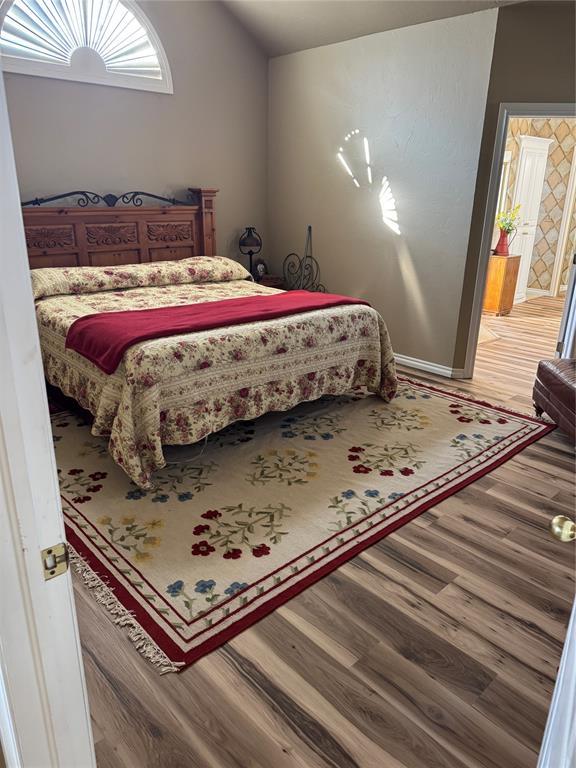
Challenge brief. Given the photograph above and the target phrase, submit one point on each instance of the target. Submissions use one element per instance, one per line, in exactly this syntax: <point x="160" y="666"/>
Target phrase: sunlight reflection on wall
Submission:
<point x="355" y="158"/>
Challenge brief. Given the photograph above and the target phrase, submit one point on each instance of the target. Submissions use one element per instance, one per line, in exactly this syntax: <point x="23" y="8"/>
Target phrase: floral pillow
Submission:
<point x="57" y="281"/>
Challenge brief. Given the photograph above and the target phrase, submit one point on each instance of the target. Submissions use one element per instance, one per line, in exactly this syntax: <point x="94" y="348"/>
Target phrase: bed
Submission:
<point x="176" y="390"/>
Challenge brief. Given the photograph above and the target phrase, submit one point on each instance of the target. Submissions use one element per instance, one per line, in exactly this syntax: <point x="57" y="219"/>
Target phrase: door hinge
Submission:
<point x="574" y="258"/>
<point x="54" y="560"/>
<point x="560" y="347"/>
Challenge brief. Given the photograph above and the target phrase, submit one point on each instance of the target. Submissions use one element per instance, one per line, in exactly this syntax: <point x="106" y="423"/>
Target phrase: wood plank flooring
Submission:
<point x="436" y="648"/>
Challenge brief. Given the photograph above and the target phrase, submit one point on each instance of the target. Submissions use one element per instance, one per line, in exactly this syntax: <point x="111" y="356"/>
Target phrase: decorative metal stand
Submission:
<point x="303" y="273"/>
<point x="84" y="199"/>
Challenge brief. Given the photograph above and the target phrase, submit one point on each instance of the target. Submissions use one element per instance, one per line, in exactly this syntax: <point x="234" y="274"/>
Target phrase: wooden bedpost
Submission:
<point x="207" y="219"/>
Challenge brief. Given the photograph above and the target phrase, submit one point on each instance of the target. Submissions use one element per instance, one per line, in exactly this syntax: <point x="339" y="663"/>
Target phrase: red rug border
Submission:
<point x="175" y="654"/>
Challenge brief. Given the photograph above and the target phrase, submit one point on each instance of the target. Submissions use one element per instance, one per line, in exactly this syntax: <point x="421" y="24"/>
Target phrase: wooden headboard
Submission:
<point x="102" y="236"/>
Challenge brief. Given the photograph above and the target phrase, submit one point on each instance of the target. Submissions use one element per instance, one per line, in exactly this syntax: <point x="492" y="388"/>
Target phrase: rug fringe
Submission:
<point x="124" y="618"/>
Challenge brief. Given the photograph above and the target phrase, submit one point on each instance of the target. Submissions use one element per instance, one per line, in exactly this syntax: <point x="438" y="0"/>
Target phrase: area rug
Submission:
<point x="238" y="526"/>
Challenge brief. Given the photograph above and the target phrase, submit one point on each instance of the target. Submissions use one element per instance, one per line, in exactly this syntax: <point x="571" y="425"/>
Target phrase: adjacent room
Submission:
<point x="533" y="248"/>
<point x="288" y="341"/>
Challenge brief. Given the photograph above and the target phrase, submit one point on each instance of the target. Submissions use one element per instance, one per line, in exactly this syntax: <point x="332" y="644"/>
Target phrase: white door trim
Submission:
<point x="44" y="715"/>
<point x="564" y="230"/>
<point x="507" y="110"/>
<point x="531" y="174"/>
<point x="558" y="748"/>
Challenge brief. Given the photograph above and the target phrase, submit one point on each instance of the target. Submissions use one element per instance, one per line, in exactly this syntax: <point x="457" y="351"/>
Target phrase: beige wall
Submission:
<point x="211" y="132"/>
<point x="534" y="62"/>
<point x="419" y="94"/>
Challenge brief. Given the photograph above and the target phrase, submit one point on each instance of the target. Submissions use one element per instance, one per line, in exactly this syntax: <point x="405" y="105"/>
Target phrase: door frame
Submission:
<point x="44" y="712"/>
<point x="506" y="111"/>
<point x="558" y="748"/>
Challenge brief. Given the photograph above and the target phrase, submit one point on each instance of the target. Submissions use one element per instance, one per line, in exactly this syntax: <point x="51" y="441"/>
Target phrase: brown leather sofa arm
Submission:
<point x="555" y="393"/>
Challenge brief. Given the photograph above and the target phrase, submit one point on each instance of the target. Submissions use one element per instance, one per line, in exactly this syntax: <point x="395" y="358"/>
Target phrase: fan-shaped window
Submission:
<point x="110" y="42"/>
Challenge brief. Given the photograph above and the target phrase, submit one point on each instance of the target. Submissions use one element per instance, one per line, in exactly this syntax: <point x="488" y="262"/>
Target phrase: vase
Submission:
<point x="502" y="244"/>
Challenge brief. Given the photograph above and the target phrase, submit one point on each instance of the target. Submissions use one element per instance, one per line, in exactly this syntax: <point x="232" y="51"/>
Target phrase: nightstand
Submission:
<point x="273" y="281"/>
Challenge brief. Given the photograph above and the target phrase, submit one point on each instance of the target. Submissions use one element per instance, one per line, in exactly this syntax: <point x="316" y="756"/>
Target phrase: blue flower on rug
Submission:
<point x="372" y="493"/>
<point x="348" y="494"/>
<point x="309" y="437"/>
<point x="136" y="494"/>
<point x="394" y="496"/>
<point x="186" y="496"/>
<point x="175" y="589"/>
<point x="235" y="587"/>
<point x="161" y="498"/>
<point x="327" y="436"/>
<point x="289" y="433"/>
<point x="462" y="437"/>
<point x="204" y="585"/>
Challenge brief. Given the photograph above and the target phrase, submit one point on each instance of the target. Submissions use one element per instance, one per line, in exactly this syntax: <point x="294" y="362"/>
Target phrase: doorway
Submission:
<point x="525" y="289"/>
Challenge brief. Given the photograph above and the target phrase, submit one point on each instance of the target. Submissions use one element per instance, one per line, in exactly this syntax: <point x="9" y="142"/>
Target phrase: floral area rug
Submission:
<point x="239" y="525"/>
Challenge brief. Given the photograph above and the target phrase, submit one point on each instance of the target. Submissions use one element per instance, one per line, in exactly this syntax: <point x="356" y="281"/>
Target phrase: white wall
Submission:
<point x="419" y="93"/>
<point x="211" y="132"/>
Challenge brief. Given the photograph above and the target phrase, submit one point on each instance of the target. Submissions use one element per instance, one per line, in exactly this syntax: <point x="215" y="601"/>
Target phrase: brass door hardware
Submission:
<point x="563" y="528"/>
<point x="54" y="560"/>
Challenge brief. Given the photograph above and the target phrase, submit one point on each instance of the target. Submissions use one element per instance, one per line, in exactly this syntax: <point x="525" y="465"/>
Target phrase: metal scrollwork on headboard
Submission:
<point x="84" y="199"/>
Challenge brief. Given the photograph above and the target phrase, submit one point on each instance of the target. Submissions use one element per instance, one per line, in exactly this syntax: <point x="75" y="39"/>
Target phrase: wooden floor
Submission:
<point x="436" y="648"/>
<point x="525" y="336"/>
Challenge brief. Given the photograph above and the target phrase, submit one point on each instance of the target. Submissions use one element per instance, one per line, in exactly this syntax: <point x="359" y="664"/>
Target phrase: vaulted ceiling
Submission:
<point x="285" y="26"/>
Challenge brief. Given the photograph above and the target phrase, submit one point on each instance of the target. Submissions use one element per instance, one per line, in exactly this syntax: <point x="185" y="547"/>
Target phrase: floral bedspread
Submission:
<point x="179" y="389"/>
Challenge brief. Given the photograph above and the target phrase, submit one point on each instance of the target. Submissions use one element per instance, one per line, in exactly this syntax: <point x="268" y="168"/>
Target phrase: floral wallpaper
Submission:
<point x="563" y="132"/>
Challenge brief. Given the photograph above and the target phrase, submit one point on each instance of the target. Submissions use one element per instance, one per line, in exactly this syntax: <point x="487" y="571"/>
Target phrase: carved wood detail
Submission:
<point x="169" y="232"/>
<point x="111" y="234"/>
<point x="50" y="237"/>
<point x="82" y="236"/>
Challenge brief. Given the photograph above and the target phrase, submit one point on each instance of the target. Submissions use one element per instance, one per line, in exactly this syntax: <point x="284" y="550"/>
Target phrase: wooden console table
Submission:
<point x="501" y="284"/>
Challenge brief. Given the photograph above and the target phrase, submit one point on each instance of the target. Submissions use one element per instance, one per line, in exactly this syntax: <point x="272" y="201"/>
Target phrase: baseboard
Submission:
<point x="536" y="292"/>
<point x="425" y="365"/>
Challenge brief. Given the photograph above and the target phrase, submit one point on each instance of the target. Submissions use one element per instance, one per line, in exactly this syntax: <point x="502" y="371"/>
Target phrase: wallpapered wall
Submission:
<point x="560" y="156"/>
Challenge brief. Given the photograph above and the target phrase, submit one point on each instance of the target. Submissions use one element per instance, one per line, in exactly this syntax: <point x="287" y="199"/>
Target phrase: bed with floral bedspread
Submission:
<point x="178" y="389"/>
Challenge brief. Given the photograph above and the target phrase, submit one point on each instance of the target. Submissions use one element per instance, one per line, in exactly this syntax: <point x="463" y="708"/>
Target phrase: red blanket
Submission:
<point x="103" y="338"/>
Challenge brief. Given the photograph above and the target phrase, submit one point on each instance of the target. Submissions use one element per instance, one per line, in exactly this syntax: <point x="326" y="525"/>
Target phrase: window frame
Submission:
<point x="24" y="66"/>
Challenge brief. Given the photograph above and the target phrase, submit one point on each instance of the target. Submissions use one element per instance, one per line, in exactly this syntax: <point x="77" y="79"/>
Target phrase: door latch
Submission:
<point x="54" y="560"/>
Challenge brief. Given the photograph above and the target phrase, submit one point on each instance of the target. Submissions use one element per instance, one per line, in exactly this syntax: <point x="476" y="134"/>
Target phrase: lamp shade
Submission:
<point x="250" y="242"/>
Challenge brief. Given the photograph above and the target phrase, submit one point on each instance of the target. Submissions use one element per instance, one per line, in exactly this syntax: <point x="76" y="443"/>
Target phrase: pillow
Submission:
<point x="57" y="281"/>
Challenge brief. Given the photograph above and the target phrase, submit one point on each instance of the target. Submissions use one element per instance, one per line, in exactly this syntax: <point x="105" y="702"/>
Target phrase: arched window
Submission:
<point x="110" y="42"/>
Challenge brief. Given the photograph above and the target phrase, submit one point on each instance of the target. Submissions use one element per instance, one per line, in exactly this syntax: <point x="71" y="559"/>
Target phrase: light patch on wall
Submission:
<point x="356" y="155"/>
<point x="388" y="206"/>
